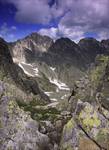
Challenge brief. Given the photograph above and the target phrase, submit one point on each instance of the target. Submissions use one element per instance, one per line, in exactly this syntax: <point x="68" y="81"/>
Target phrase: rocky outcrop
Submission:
<point x="87" y="130"/>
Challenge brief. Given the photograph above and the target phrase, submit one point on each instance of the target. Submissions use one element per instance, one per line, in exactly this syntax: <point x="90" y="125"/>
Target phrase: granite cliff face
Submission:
<point x="54" y="95"/>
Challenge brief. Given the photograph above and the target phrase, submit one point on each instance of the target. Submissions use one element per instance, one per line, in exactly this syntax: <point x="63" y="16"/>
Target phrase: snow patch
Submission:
<point x="15" y="60"/>
<point x="36" y="71"/>
<point x="27" y="64"/>
<point x="20" y="65"/>
<point x="53" y="99"/>
<point x="33" y="71"/>
<point x="59" y="84"/>
<point x="53" y="69"/>
<point x="53" y="105"/>
<point x="64" y="96"/>
<point x="48" y="93"/>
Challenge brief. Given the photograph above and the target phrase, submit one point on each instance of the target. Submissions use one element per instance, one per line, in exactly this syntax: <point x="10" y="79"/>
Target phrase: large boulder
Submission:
<point x="87" y="130"/>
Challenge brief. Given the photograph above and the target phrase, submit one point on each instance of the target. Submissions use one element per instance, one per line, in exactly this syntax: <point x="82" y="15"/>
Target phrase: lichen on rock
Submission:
<point x="87" y="128"/>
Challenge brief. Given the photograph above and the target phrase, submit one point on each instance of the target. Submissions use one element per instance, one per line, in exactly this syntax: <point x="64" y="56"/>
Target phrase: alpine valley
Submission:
<point x="54" y="95"/>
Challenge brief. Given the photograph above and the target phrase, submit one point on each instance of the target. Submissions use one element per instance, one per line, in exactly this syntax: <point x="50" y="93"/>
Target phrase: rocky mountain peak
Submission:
<point x="88" y="41"/>
<point x="63" y="45"/>
<point x="33" y="44"/>
<point x="38" y="38"/>
<point x="90" y="47"/>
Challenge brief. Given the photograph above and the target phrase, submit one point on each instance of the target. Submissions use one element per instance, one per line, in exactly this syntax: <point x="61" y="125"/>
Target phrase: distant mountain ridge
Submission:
<point x="36" y="43"/>
<point x="69" y="60"/>
<point x="55" y="65"/>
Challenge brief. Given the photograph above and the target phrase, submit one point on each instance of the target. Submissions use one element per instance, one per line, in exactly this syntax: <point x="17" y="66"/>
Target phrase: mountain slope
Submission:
<point x="11" y="73"/>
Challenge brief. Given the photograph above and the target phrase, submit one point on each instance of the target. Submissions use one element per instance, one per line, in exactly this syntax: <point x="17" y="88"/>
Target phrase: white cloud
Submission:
<point x="103" y="35"/>
<point x="76" y="17"/>
<point x="32" y="11"/>
<point x="51" y="32"/>
<point x="61" y="31"/>
<point x="7" y="32"/>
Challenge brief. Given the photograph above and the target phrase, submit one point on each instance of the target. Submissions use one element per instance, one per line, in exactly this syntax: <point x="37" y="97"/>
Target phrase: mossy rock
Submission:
<point x="88" y="117"/>
<point x="69" y="126"/>
<point x="12" y="105"/>
<point x="66" y="141"/>
<point x="99" y="70"/>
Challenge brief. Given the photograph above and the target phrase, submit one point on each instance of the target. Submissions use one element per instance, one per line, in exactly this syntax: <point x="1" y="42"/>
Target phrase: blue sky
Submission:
<point x="21" y="29"/>
<point x="74" y="19"/>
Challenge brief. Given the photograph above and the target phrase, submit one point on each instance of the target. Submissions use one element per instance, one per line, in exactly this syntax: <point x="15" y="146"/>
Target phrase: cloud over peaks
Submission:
<point x="76" y="17"/>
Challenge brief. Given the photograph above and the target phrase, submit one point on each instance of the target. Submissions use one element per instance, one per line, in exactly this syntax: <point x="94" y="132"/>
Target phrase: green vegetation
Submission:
<point x="11" y="106"/>
<point x="39" y="111"/>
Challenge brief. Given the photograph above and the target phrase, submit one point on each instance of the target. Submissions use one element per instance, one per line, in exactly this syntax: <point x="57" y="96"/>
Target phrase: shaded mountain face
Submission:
<point x="91" y="48"/>
<point x="13" y="74"/>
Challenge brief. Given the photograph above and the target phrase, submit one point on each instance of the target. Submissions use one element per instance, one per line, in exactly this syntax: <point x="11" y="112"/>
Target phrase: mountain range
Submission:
<point x="54" y="95"/>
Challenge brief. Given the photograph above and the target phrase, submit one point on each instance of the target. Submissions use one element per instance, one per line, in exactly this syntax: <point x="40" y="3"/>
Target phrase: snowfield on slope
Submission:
<point x="48" y="93"/>
<point x="59" y="84"/>
<point x="53" y="69"/>
<point x="28" y="69"/>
